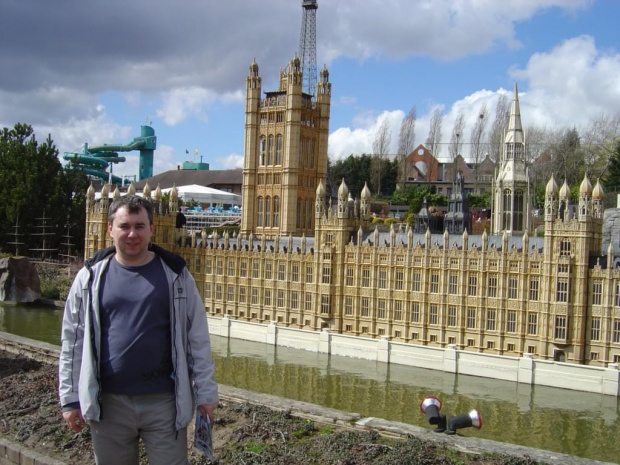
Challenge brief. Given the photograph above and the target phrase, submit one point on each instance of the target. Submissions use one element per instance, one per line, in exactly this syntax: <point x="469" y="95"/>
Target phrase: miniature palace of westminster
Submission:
<point x="301" y="262"/>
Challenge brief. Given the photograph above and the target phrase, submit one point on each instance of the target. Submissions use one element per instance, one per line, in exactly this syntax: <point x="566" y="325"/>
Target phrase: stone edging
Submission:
<point x="12" y="453"/>
<point x="472" y="445"/>
<point x="49" y="353"/>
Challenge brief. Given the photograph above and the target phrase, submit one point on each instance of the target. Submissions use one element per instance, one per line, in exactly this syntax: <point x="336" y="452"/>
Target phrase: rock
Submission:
<point x="19" y="280"/>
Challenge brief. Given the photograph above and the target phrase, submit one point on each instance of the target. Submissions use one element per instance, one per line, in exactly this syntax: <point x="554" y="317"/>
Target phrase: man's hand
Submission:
<point x="74" y="420"/>
<point x="207" y="409"/>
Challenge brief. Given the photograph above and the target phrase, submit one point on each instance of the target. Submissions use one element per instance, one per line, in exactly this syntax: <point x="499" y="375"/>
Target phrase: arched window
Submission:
<point x="565" y="248"/>
<point x="518" y="152"/>
<point x="298" y="219"/>
<point x="279" y="149"/>
<point x="518" y="211"/>
<point x="507" y="210"/>
<point x="262" y="144"/>
<point x="259" y="212"/>
<point x="308" y="154"/>
<point x="276" y="212"/>
<point x="309" y="215"/>
<point x="268" y="212"/>
<point x="270" y="151"/>
<point x="509" y="151"/>
<point x="311" y="150"/>
<point x="301" y="152"/>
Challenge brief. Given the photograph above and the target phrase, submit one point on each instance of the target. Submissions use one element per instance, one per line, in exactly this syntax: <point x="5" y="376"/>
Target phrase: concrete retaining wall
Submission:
<point x="15" y="454"/>
<point x="524" y="369"/>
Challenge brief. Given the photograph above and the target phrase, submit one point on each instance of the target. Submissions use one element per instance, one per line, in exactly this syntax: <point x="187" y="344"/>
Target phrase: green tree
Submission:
<point x="479" y="200"/>
<point x="612" y="175"/>
<point x="568" y="157"/>
<point x="414" y="197"/>
<point x="355" y="169"/>
<point x="33" y="184"/>
<point x="390" y="179"/>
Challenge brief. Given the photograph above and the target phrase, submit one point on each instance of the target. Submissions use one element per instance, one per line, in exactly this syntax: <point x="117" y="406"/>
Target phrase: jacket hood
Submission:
<point x="174" y="261"/>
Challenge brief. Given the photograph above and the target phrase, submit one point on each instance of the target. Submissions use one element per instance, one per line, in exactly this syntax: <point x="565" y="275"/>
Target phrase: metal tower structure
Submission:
<point x="307" y="46"/>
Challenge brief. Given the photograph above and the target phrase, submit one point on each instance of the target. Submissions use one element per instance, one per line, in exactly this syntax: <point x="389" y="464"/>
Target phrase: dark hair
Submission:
<point x="133" y="204"/>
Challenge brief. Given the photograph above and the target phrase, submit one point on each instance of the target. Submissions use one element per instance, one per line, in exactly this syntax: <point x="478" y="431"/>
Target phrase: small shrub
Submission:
<point x="255" y="447"/>
<point x="306" y="430"/>
<point x="57" y="289"/>
<point x="55" y="281"/>
<point x="326" y="430"/>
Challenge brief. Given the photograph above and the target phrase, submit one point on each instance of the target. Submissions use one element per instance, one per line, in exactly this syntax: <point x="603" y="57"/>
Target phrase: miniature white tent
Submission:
<point x="206" y="195"/>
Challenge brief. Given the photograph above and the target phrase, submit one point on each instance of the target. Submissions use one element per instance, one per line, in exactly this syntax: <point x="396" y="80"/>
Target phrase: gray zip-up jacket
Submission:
<point x="81" y="339"/>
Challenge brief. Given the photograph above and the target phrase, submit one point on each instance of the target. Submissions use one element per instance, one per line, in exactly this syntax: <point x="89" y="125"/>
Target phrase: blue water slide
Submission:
<point x="103" y="175"/>
<point x="98" y="158"/>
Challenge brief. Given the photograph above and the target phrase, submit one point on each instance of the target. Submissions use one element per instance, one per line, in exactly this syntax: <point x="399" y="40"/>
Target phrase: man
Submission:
<point x="135" y="350"/>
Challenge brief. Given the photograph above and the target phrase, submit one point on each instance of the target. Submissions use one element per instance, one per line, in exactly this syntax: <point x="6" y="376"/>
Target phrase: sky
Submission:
<point x="96" y="71"/>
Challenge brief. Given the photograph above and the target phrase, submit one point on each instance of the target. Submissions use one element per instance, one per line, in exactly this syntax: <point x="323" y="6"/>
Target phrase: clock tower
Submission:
<point x="285" y="155"/>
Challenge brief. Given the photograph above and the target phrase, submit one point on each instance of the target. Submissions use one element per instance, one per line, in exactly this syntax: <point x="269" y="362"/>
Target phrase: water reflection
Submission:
<point x="40" y="323"/>
<point x="564" y="421"/>
<point x="569" y="422"/>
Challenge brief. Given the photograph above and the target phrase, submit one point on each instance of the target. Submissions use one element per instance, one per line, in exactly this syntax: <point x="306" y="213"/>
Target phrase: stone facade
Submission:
<point x="285" y="153"/>
<point x="555" y="297"/>
<point x="511" y="190"/>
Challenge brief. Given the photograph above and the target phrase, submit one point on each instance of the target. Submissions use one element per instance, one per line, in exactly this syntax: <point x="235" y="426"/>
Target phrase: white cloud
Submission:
<point x="188" y="60"/>
<point x="232" y="97"/>
<point x="441" y="28"/>
<point x="231" y="161"/>
<point x="570" y="85"/>
<point x="48" y="105"/>
<point x="347" y="99"/>
<point x="205" y="44"/>
<point x="164" y="159"/>
<point x="179" y="104"/>
<point x="346" y="141"/>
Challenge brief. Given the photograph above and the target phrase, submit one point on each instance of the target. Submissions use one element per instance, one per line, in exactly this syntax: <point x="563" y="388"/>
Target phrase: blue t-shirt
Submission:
<point x="136" y="354"/>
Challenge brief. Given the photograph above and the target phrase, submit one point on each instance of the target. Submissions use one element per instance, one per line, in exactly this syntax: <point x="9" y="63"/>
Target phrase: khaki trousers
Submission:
<point x="126" y="419"/>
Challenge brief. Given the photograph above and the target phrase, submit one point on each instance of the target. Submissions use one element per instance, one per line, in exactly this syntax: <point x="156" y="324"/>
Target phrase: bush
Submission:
<point x="55" y="280"/>
<point x="377" y="220"/>
<point x="56" y="289"/>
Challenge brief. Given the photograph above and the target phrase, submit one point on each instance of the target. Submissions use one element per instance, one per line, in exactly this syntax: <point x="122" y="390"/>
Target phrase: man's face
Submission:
<point x="131" y="233"/>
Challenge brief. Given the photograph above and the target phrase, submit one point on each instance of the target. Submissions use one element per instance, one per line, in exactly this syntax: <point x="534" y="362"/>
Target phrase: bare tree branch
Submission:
<point x="434" y="132"/>
<point x="380" y="148"/>
<point x="477" y="152"/>
<point x="498" y="129"/>
<point x="406" y="143"/>
<point x="599" y="141"/>
<point x="456" y="140"/>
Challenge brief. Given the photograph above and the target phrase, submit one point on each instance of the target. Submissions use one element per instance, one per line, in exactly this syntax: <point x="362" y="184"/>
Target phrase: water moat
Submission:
<point x="569" y="422"/>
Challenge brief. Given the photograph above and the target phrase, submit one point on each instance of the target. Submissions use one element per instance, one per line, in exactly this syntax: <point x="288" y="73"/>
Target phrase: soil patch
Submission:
<point x="242" y="434"/>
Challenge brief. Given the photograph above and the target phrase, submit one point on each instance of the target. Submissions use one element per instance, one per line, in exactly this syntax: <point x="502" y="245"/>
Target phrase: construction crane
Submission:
<point x="307" y="45"/>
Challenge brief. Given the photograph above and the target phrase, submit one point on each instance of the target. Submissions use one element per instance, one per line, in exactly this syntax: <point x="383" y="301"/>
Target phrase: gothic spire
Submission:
<point x="514" y="132"/>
